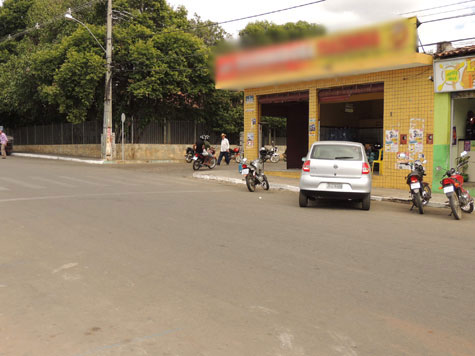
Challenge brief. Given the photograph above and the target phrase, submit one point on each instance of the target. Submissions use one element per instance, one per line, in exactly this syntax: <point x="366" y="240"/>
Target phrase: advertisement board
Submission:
<point x="454" y="74"/>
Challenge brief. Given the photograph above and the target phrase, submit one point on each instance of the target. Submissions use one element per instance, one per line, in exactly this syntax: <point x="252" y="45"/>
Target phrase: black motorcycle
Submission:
<point x="190" y="152"/>
<point x="420" y="190"/>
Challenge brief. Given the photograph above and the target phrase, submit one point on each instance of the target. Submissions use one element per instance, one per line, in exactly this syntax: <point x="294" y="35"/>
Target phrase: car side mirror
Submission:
<point x="304" y="159"/>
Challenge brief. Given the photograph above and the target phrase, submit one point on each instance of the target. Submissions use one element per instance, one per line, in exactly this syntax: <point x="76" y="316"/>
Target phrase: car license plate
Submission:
<point x="448" y="189"/>
<point x="334" y="185"/>
<point x="415" y="185"/>
<point x="245" y="171"/>
<point x="195" y="158"/>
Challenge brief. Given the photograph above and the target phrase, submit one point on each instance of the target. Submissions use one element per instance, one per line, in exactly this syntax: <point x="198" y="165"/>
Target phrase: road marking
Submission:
<point x="55" y="182"/>
<point x="110" y="180"/>
<point x="81" y="196"/>
<point x="82" y="181"/>
<point x="66" y="266"/>
<point x="20" y="183"/>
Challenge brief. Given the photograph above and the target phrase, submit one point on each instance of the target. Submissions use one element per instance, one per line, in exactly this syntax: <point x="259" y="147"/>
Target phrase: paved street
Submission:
<point x="145" y="260"/>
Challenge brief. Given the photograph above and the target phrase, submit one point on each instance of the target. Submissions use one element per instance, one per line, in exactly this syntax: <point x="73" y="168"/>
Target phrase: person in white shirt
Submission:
<point x="224" y="150"/>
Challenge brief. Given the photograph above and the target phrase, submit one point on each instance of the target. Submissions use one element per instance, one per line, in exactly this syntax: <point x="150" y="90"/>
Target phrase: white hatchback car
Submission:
<point x="336" y="169"/>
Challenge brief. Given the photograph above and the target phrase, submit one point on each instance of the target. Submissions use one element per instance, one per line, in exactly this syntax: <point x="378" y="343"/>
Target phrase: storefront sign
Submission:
<point x="454" y="74"/>
<point x="391" y="141"/>
<point x="363" y="50"/>
<point x="249" y="99"/>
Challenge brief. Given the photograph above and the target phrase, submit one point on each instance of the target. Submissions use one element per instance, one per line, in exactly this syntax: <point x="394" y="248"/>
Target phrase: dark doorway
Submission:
<point x="294" y="107"/>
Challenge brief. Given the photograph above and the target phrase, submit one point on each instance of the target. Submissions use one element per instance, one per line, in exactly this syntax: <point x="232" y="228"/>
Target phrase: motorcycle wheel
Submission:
<point x="251" y="183"/>
<point x="426" y="194"/>
<point x="455" y="206"/>
<point x="238" y="158"/>
<point x="275" y="158"/>
<point x="418" y="202"/>
<point x="196" y="165"/>
<point x="189" y="158"/>
<point x="265" y="183"/>
<point x="467" y="208"/>
<point x="212" y="163"/>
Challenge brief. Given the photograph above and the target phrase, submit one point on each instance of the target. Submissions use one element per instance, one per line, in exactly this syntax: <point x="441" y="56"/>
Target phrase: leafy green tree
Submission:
<point x="263" y="32"/>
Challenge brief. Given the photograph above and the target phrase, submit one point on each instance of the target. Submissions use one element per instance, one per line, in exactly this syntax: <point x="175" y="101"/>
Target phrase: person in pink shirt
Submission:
<point x="3" y="142"/>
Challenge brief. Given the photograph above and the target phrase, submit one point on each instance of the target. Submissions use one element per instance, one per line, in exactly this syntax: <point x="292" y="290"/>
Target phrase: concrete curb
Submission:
<point x="294" y="188"/>
<point x="91" y="161"/>
<point x="60" y="158"/>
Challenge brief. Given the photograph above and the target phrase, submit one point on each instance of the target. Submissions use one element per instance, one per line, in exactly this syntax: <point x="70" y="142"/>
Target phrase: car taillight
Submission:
<point x="306" y="166"/>
<point x="414" y="179"/>
<point x="365" y="168"/>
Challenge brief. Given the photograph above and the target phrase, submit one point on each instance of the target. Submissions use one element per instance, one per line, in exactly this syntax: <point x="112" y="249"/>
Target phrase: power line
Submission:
<point x="447" y="18"/>
<point x="459" y="40"/>
<point x="270" y="12"/>
<point x="436" y="7"/>
<point x="445" y="12"/>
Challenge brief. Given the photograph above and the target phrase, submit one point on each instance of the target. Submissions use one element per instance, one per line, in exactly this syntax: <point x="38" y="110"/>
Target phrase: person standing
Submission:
<point x="3" y="142"/>
<point x="224" y="150"/>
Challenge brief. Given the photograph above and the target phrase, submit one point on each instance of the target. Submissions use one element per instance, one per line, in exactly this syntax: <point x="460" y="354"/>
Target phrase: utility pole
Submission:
<point x="107" y="131"/>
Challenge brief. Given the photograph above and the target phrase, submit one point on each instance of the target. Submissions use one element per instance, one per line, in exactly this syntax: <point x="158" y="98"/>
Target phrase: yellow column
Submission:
<point x="312" y="117"/>
<point x="252" y="117"/>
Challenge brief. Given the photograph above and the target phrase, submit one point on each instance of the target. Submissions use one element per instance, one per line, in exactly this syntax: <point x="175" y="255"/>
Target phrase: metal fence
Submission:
<point x="168" y="132"/>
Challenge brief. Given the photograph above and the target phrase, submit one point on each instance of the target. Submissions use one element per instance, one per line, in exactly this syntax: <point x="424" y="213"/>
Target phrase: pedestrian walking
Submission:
<point x="224" y="150"/>
<point x="3" y="142"/>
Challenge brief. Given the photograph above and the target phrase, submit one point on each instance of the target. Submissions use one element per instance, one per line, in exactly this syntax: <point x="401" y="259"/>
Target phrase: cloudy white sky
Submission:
<point x="340" y="14"/>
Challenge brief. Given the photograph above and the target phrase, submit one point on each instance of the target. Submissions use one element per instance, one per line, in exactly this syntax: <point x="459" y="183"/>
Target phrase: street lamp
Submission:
<point x="106" y="141"/>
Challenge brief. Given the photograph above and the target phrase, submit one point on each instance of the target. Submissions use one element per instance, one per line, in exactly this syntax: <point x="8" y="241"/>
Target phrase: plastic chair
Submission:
<point x="379" y="162"/>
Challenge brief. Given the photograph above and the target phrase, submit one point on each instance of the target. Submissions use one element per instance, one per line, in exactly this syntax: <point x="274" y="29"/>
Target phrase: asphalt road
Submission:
<point x="145" y="260"/>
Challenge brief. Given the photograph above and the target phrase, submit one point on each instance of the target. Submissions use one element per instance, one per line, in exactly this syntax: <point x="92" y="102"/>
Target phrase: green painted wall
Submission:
<point x="442" y="137"/>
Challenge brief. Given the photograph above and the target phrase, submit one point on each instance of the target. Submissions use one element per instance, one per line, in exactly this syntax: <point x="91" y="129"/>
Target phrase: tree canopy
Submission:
<point x="52" y="69"/>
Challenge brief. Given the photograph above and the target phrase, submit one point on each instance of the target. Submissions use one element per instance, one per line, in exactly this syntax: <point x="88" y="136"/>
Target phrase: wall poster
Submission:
<point x="391" y="141"/>
<point x="250" y="139"/>
<point x="416" y="135"/>
<point x="312" y="126"/>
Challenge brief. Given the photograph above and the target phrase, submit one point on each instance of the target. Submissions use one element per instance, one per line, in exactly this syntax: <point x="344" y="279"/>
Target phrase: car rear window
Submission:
<point x="335" y="152"/>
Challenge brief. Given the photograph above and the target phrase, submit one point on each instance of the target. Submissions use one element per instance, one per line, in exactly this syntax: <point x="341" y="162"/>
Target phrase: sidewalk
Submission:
<point x="230" y="174"/>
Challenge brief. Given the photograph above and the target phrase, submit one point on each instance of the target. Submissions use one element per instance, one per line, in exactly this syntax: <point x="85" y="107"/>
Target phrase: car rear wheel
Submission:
<point x="366" y="202"/>
<point x="303" y="200"/>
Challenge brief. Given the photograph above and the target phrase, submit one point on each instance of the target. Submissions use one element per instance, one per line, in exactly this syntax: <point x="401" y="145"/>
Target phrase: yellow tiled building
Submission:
<point x="394" y="87"/>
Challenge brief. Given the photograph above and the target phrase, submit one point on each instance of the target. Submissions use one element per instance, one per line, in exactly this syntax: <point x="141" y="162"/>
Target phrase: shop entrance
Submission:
<point x="463" y="129"/>
<point x="294" y="107"/>
<point x="354" y="113"/>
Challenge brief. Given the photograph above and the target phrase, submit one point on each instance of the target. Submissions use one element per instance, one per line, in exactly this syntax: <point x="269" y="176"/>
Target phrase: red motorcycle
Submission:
<point x="459" y="199"/>
<point x="235" y="153"/>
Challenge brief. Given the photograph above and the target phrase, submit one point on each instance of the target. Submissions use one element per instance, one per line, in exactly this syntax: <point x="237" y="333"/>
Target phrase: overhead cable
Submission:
<point x="436" y="7"/>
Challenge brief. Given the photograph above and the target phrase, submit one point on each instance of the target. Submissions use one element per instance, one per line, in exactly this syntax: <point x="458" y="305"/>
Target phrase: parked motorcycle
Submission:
<point x="200" y="160"/>
<point x="420" y="190"/>
<point x="254" y="172"/>
<point x="235" y="153"/>
<point x="459" y="199"/>
<point x="271" y="154"/>
<point x="190" y="152"/>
